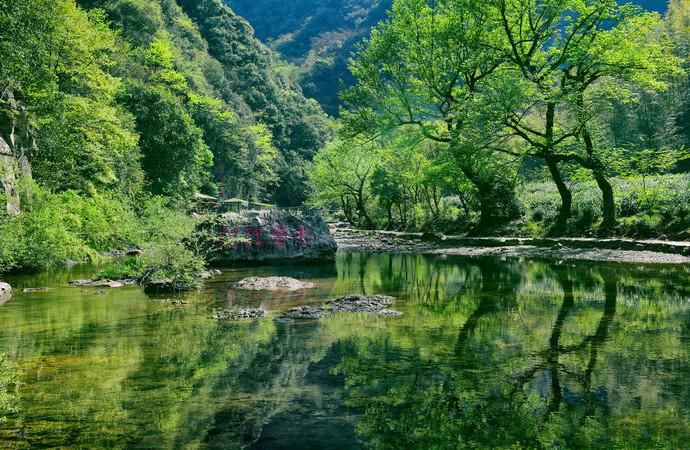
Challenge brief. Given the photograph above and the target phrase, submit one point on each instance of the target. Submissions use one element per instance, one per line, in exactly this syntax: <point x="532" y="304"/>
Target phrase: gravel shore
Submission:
<point x="377" y="242"/>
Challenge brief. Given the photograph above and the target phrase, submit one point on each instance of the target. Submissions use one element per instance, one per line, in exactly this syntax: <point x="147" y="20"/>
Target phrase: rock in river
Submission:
<point x="208" y="274"/>
<point x="38" y="289"/>
<point x="306" y="312"/>
<point x="359" y="303"/>
<point x="239" y="314"/>
<point x="101" y="283"/>
<point x="5" y="292"/>
<point x="272" y="284"/>
<point x="375" y="304"/>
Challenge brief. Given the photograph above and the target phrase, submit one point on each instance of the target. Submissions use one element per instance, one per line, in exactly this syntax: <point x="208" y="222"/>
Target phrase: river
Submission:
<point x="488" y="353"/>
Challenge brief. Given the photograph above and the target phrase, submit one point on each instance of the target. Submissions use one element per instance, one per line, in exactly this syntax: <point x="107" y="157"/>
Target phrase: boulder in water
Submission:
<point x="101" y="283"/>
<point x="270" y="235"/>
<point x="5" y="292"/>
<point x="373" y="304"/>
<point x="306" y="312"/>
<point x="38" y="289"/>
<point x="239" y="314"/>
<point x="208" y="274"/>
<point x="272" y="284"/>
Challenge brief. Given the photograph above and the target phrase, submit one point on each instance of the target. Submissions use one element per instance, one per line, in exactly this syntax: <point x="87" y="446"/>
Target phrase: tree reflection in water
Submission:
<point x="488" y="353"/>
<point x="498" y="388"/>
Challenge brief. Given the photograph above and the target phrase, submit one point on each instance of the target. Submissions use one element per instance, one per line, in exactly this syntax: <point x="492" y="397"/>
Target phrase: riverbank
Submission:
<point x="584" y="249"/>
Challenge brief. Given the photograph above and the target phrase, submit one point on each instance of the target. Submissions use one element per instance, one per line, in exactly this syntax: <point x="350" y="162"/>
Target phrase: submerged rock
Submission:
<point x="307" y="312"/>
<point x="161" y="285"/>
<point x="38" y="289"/>
<point x="5" y="292"/>
<point x="388" y="312"/>
<point x="359" y="303"/>
<point x="373" y="304"/>
<point x="208" y="274"/>
<point x="101" y="283"/>
<point x="285" y="320"/>
<point x="272" y="284"/>
<point x="239" y="314"/>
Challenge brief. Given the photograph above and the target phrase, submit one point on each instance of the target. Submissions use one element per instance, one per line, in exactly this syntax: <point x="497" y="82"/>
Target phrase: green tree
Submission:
<point x="678" y="28"/>
<point x="342" y="175"/>
<point x="175" y="157"/>
<point x="60" y="71"/>
<point x="429" y="66"/>
<point x="570" y="59"/>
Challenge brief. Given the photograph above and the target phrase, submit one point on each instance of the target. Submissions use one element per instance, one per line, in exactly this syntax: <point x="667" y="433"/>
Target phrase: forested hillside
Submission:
<point x="517" y="117"/>
<point x="318" y="36"/>
<point x="109" y="103"/>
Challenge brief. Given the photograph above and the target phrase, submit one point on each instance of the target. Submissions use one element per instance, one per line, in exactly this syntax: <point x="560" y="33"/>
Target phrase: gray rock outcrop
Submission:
<point x="274" y="235"/>
<point x="16" y="142"/>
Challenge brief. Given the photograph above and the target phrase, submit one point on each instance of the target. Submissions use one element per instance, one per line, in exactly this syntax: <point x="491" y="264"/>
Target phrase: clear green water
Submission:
<point x="488" y="353"/>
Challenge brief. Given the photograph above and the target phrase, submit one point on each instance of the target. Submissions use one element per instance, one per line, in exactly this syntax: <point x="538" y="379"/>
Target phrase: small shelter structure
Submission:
<point x="205" y="203"/>
<point x="233" y="205"/>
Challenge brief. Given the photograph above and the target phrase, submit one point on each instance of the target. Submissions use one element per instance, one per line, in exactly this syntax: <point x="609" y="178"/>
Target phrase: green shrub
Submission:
<point x="159" y="221"/>
<point x="658" y="206"/>
<point x="54" y="228"/>
<point x="130" y="268"/>
<point x="172" y="265"/>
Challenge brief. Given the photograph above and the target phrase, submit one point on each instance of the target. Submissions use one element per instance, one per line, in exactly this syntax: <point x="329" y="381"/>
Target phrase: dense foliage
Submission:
<point x="129" y="99"/>
<point x="504" y="94"/>
<point x="315" y="35"/>
<point x="318" y="36"/>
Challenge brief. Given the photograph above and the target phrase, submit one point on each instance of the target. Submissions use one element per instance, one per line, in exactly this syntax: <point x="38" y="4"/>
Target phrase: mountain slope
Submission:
<point x="319" y="35"/>
<point x="230" y="85"/>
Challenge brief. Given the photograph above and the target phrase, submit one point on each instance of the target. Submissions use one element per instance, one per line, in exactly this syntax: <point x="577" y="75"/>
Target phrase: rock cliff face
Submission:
<point x="16" y="141"/>
<point x="275" y="235"/>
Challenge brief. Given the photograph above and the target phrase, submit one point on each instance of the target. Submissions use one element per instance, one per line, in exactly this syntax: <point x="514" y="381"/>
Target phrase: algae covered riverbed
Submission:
<point x="487" y="353"/>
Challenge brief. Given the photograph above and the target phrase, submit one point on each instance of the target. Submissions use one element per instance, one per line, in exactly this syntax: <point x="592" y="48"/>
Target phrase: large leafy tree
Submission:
<point x="567" y="60"/>
<point x="678" y="28"/>
<point x="342" y="175"/>
<point x="512" y="77"/>
<point x="429" y="67"/>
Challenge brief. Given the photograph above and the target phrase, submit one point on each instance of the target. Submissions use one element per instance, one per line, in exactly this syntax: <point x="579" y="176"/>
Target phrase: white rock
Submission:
<point x="5" y="292"/>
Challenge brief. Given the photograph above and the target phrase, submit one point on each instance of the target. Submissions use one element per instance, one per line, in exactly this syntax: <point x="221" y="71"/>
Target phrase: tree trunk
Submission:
<point x="552" y="164"/>
<point x="389" y="211"/>
<point x="566" y="196"/>
<point x="489" y="203"/>
<point x="609" y="203"/>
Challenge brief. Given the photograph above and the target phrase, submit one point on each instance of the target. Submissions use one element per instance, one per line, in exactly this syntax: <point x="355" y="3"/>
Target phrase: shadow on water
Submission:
<point x="488" y="353"/>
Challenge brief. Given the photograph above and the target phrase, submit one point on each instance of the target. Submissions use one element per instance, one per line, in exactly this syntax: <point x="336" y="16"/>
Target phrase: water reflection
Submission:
<point x="488" y="353"/>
